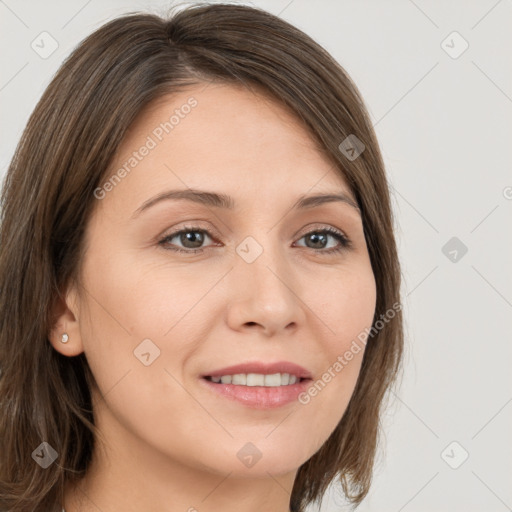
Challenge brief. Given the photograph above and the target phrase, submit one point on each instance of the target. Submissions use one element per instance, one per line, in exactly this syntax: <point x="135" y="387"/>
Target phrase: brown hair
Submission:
<point x="48" y="196"/>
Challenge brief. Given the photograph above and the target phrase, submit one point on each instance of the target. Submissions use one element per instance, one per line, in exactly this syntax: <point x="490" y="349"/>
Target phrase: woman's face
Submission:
<point x="266" y="284"/>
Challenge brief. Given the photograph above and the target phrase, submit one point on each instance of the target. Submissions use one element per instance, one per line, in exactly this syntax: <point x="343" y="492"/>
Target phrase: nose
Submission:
<point x="265" y="296"/>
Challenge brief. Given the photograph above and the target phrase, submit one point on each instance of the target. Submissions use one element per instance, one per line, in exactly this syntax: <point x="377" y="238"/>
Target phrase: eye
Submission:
<point x="193" y="237"/>
<point x="320" y="238"/>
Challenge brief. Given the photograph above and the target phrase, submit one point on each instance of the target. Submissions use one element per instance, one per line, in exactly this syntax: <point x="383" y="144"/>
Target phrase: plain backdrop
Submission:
<point x="437" y="80"/>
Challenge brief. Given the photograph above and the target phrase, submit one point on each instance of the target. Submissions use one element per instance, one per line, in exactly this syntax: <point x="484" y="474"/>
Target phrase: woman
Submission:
<point x="199" y="295"/>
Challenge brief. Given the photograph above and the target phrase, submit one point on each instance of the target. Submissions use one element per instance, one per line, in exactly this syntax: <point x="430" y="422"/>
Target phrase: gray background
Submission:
<point x="443" y="122"/>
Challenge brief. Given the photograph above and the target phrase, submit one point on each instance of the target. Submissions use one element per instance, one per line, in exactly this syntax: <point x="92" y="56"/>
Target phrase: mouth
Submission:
<point x="258" y="384"/>
<point x="259" y="373"/>
<point x="257" y="391"/>
<point x="257" y="379"/>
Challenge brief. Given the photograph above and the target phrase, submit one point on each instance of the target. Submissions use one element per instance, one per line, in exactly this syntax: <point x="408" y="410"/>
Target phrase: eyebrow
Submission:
<point x="219" y="200"/>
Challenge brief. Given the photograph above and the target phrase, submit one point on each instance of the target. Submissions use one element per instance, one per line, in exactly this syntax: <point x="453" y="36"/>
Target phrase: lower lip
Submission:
<point x="260" y="397"/>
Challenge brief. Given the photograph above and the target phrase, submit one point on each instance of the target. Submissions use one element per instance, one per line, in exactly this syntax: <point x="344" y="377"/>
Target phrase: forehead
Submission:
<point x="224" y="137"/>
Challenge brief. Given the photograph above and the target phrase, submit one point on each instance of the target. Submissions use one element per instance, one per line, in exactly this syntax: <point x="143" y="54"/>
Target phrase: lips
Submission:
<point x="263" y="368"/>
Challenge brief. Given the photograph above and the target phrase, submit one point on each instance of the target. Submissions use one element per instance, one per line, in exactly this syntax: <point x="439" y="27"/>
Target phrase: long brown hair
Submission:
<point x="48" y="197"/>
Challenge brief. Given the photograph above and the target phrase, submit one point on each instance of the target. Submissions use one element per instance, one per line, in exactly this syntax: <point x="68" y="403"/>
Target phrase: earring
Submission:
<point x="64" y="338"/>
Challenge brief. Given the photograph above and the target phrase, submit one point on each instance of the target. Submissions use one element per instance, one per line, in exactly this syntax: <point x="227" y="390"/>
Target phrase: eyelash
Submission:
<point x="345" y="242"/>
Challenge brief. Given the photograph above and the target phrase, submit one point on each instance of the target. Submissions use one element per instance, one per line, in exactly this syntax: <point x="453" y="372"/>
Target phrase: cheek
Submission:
<point x="348" y="307"/>
<point x="142" y="314"/>
<point x="131" y="310"/>
<point x="140" y="298"/>
<point x="348" y="310"/>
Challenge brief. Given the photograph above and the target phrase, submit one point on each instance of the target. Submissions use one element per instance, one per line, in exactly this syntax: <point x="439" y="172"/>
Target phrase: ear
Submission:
<point x="65" y="320"/>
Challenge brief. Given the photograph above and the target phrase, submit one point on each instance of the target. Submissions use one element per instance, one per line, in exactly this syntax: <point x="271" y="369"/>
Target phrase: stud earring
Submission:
<point x="64" y="338"/>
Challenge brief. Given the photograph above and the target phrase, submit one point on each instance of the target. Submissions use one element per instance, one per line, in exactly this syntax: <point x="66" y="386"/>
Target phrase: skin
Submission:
<point x="168" y="443"/>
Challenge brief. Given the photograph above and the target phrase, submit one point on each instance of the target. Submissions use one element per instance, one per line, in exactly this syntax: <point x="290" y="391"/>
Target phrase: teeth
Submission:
<point x="271" y="380"/>
<point x="257" y="379"/>
<point x="239" y="378"/>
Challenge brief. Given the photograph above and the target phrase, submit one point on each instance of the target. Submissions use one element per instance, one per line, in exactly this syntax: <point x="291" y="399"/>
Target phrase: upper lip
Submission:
<point x="263" y="368"/>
